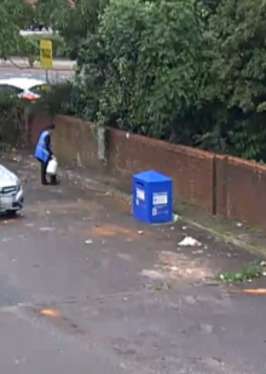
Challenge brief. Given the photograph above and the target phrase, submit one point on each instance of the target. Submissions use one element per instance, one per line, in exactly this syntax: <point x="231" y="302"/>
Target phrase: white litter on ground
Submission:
<point x="175" y="218"/>
<point x="188" y="241"/>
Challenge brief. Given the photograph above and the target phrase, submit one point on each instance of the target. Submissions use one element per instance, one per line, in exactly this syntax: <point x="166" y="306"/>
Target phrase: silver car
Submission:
<point x="11" y="192"/>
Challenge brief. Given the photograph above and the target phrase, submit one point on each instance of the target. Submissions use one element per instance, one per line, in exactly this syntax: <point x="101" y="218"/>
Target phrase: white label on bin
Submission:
<point x="140" y="194"/>
<point x="154" y="211"/>
<point x="160" y="198"/>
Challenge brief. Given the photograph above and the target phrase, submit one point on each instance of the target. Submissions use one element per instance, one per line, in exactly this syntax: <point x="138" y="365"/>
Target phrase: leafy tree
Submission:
<point x="15" y="15"/>
<point x="74" y="20"/>
<point x="11" y="120"/>
<point x="236" y="86"/>
<point x="50" y="12"/>
<point x="143" y="63"/>
<point x="188" y="71"/>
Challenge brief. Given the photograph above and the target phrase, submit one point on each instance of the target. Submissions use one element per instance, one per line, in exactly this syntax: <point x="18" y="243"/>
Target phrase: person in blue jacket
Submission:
<point x="43" y="153"/>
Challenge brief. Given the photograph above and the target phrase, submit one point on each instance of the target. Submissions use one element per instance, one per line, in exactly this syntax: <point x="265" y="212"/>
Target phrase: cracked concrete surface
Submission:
<point x="121" y="296"/>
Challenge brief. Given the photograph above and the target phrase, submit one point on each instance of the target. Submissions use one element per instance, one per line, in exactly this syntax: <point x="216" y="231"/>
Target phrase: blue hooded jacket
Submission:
<point x="42" y="151"/>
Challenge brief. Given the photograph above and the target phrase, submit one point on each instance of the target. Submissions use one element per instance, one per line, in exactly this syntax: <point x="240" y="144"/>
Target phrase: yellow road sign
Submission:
<point x="46" y="54"/>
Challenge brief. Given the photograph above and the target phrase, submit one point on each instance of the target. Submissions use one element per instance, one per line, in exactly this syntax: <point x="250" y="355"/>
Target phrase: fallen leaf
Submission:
<point x="250" y="291"/>
<point x="50" y="312"/>
<point x="258" y="291"/>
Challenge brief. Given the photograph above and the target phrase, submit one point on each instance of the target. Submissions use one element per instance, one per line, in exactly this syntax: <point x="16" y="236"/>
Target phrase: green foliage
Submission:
<point x="74" y="23"/>
<point x="248" y="272"/>
<point x="187" y="71"/>
<point x="11" y="119"/>
<point x="31" y="46"/>
<point x="50" y="12"/>
<point x="59" y="98"/>
<point x="235" y="56"/>
<point x="15" y="15"/>
<point x="170" y="69"/>
<point x="140" y="69"/>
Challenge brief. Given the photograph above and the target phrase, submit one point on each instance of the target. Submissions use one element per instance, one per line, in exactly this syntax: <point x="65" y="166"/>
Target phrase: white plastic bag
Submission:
<point x="52" y="167"/>
<point x="188" y="241"/>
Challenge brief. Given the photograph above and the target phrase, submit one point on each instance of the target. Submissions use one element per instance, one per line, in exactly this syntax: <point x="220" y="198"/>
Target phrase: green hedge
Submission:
<point x="11" y="120"/>
<point x="31" y="45"/>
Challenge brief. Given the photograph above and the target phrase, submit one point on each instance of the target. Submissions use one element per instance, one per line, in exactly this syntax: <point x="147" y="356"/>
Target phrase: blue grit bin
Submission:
<point x="152" y="197"/>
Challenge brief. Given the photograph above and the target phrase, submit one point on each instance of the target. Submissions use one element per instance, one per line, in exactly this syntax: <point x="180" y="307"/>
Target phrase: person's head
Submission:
<point x="50" y="128"/>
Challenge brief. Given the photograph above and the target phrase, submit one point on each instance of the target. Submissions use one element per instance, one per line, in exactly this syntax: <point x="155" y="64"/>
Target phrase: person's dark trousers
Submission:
<point x="53" y="180"/>
<point x="43" y="172"/>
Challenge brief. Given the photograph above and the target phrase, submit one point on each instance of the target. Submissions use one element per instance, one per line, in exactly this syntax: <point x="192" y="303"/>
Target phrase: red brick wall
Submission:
<point x="242" y="191"/>
<point x="221" y="185"/>
<point x="190" y="169"/>
<point x="74" y="142"/>
<point x="37" y="124"/>
<point x="227" y="186"/>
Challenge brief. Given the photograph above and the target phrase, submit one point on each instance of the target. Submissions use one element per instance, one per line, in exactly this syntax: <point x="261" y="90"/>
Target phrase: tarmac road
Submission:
<point x="83" y="290"/>
<point x="58" y="75"/>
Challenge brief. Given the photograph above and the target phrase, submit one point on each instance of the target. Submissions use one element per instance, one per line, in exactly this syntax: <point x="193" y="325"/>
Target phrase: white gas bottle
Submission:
<point x="52" y="166"/>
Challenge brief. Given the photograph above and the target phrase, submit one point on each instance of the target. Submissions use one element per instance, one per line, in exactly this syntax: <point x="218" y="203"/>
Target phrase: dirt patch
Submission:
<point x="171" y="267"/>
<point x="112" y="230"/>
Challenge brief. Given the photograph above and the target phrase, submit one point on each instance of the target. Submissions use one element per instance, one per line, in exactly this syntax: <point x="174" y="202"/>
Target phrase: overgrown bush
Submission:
<point x="11" y="120"/>
<point x="59" y="98"/>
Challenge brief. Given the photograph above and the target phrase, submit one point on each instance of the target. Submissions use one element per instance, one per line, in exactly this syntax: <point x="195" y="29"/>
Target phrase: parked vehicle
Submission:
<point x="26" y="88"/>
<point x="36" y="27"/>
<point x="11" y="192"/>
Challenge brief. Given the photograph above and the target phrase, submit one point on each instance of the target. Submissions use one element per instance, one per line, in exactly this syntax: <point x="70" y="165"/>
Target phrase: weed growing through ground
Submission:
<point x="252" y="270"/>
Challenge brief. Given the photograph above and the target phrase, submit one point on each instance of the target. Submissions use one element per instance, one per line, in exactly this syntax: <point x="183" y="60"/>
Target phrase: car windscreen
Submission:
<point x="39" y="89"/>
